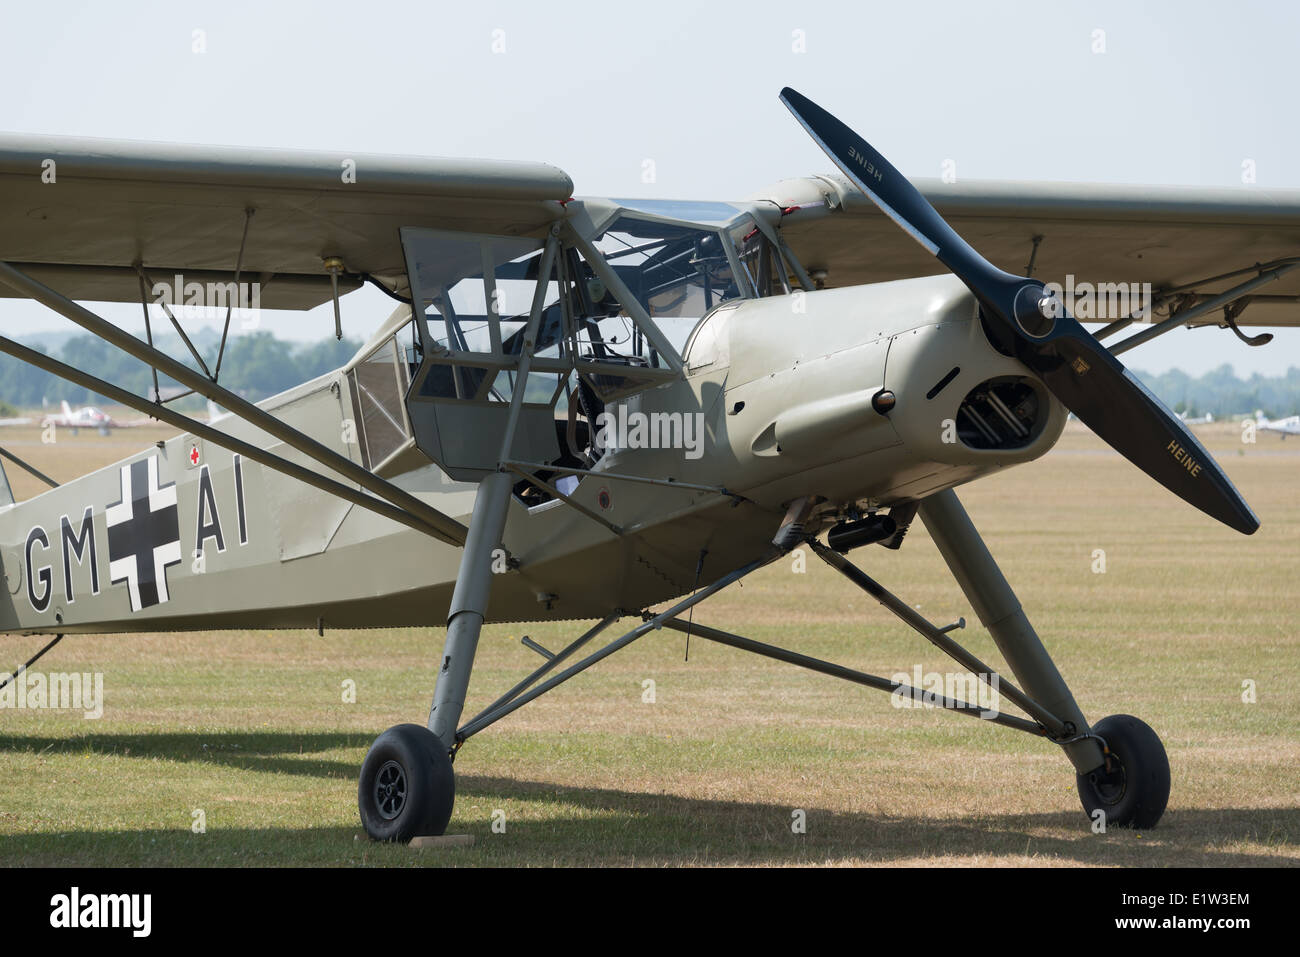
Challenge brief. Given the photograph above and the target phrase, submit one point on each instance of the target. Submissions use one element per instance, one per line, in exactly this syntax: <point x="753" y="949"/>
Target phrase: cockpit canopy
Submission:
<point x="475" y="294"/>
<point x="615" y="291"/>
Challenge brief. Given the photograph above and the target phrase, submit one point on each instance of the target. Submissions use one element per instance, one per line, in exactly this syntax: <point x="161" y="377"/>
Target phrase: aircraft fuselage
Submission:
<point x="188" y="536"/>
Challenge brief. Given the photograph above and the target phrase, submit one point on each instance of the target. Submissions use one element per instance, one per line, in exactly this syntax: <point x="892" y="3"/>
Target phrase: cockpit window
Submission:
<point x="378" y="385"/>
<point x="760" y="261"/>
<point x="620" y="294"/>
<point x="463" y="311"/>
<point x="689" y="210"/>
<point x="677" y="272"/>
<point x="474" y="293"/>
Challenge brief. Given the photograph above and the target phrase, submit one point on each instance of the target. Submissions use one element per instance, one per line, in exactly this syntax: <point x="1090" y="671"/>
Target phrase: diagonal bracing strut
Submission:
<point x="546" y="667"/>
<point x="28" y="468"/>
<point x="508" y="704"/>
<point x="849" y="674"/>
<point x="248" y="450"/>
<point x="1056" y="728"/>
<point x="443" y="526"/>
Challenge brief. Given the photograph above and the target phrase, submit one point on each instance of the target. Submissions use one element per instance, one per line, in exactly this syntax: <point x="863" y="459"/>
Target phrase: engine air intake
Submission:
<point x="1002" y="413"/>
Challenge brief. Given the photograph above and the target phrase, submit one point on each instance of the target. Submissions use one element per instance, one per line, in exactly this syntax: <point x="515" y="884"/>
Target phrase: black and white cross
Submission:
<point x="144" y="538"/>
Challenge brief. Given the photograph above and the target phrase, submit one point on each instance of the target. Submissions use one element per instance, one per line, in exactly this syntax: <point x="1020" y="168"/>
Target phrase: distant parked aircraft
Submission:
<point x="1205" y="419"/>
<point x="1288" y="426"/>
<point x="87" y="417"/>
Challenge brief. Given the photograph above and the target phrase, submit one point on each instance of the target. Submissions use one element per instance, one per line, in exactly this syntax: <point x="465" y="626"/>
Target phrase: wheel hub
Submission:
<point x="390" y="790"/>
<point x="1110" y="785"/>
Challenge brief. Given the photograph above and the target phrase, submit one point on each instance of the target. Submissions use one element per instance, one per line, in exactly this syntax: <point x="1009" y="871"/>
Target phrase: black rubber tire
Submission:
<point x="407" y="786"/>
<point x="1135" y="792"/>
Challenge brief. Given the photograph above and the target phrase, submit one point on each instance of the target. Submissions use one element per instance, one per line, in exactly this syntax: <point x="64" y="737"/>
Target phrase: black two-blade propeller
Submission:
<point x="1025" y="320"/>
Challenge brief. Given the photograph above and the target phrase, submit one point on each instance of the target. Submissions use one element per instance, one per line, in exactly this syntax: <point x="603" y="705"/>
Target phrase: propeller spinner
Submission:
<point x="1025" y="320"/>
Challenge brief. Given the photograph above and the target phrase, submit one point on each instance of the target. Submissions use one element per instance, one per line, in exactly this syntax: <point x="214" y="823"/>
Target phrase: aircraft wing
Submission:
<point x="76" y="214"/>
<point x="1164" y="235"/>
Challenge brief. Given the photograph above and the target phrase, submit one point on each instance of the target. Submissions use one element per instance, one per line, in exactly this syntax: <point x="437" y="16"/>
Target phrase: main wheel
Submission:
<point x="1134" y="790"/>
<point x="407" y="786"/>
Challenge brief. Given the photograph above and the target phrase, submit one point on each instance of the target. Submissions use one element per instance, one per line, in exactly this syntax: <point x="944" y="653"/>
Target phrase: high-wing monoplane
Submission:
<point x="607" y="410"/>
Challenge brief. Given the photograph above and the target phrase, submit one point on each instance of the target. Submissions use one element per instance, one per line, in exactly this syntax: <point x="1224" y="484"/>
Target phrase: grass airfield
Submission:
<point x="251" y="728"/>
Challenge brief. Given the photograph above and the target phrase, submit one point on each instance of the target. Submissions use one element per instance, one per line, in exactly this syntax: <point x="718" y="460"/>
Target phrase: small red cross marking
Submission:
<point x="194" y="455"/>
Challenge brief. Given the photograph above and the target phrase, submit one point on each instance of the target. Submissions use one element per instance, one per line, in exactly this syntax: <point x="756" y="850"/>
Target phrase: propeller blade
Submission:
<point x="1126" y="416"/>
<point x="1026" y="321"/>
<point x="899" y="199"/>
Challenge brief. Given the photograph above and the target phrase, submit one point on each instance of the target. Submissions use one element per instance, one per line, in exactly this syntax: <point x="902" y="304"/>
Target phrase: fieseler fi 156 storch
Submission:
<point x="601" y="410"/>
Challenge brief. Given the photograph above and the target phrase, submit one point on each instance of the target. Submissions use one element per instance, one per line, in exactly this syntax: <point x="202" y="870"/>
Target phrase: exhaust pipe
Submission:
<point x="867" y="531"/>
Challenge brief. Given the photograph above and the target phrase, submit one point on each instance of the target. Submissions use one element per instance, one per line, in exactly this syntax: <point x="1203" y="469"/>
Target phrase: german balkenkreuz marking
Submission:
<point x="144" y="538"/>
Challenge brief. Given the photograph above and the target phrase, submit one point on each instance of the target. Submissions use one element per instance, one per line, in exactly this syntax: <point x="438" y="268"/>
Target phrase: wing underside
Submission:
<point x="80" y="214"/>
<point x="1169" y="237"/>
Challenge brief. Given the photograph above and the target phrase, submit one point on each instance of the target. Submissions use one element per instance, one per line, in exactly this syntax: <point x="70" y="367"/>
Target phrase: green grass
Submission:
<point x="251" y="727"/>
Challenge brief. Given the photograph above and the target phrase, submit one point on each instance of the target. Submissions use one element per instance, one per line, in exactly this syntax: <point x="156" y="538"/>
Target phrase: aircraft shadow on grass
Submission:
<point x="271" y="751"/>
<point x="639" y="825"/>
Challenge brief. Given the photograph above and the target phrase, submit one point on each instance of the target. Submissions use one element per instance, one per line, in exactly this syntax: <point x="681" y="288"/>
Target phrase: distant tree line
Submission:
<point x="255" y="365"/>
<point x="1220" y="393"/>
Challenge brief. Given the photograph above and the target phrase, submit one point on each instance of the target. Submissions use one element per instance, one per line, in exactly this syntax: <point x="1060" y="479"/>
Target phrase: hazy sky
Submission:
<point x="1182" y="94"/>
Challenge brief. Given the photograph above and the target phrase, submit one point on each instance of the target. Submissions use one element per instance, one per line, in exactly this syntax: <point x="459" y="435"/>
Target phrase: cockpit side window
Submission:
<point x="620" y="294"/>
<point x="677" y="272"/>
<point x="475" y="293"/>
<point x="761" y="260"/>
<point x="378" y="384"/>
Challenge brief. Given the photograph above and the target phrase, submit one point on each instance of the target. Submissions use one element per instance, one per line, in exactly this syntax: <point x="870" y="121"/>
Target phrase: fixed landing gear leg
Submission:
<point x="407" y="787"/>
<point x="469" y="605"/>
<point x="1127" y="778"/>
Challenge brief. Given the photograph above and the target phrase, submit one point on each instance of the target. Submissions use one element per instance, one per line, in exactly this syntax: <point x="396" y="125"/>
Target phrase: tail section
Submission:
<point x="187" y="535"/>
<point x="67" y="409"/>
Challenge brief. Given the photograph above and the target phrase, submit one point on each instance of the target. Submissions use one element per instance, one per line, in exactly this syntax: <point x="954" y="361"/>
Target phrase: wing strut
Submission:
<point x="30" y="469"/>
<point x="517" y="697"/>
<point x="217" y="437"/>
<point x="1185" y="316"/>
<point x="446" y="527"/>
<point x="30" y="661"/>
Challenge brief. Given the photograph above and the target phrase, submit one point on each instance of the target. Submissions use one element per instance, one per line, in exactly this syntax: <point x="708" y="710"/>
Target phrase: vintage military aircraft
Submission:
<point x="591" y="408"/>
